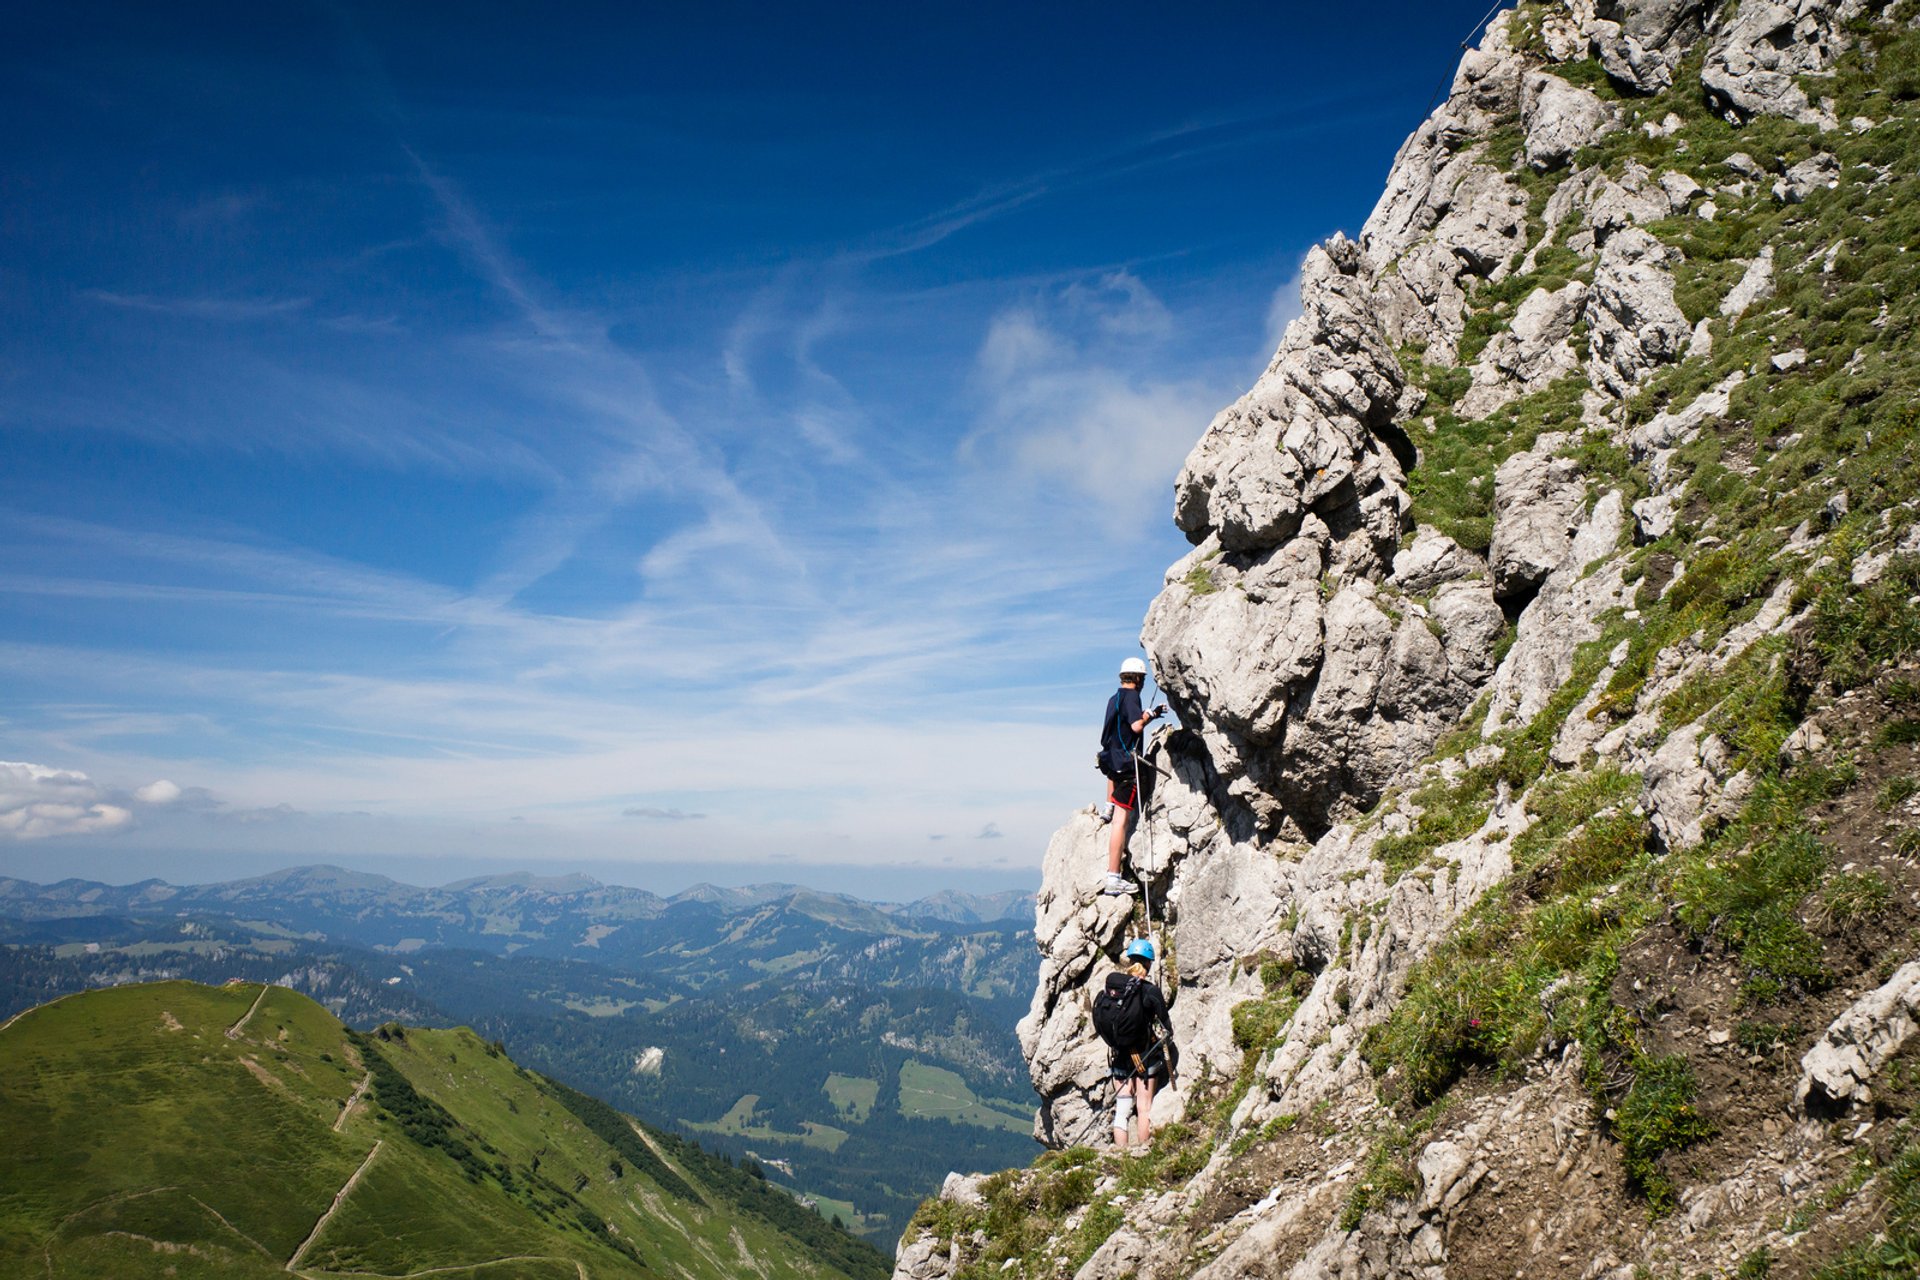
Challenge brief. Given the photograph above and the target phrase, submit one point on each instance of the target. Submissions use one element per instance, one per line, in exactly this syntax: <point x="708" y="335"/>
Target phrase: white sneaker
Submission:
<point x="1118" y="885"/>
<point x="1103" y="812"/>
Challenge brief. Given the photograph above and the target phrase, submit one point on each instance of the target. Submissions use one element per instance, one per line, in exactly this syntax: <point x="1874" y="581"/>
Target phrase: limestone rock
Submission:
<point x="1563" y="616"/>
<point x="1123" y="1253"/>
<point x="1819" y="170"/>
<point x="1640" y="42"/>
<point x="925" y="1257"/>
<point x="1484" y="223"/>
<point x="1317" y="645"/>
<point x="1432" y="560"/>
<point x="1538" y="502"/>
<point x="1653" y="517"/>
<point x="1754" y="62"/>
<point x="1690" y="787"/>
<point x="1636" y="323"/>
<point x="1559" y="119"/>
<point x="1837" y="1071"/>
<point x="1532" y="353"/>
<point x="1632" y="199"/>
<point x="1446" y="1176"/>
<point x="1654" y="441"/>
<point x="1755" y="285"/>
<point x="1302" y="439"/>
<point x="964" y="1188"/>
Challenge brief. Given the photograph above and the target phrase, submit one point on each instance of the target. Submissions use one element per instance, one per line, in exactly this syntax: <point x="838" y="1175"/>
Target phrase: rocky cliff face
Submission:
<point x="1536" y="862"/>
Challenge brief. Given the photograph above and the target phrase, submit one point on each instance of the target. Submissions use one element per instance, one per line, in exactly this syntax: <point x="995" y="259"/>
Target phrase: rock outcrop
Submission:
<point x="1488" y="857"/>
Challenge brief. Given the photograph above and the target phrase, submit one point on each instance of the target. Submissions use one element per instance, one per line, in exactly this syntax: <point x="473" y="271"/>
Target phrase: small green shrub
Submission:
<point x="1386" y="1176"/>
<point x="1101" y="1222"/>
<point x="1257" y="1023"/>
<point x="1751" y="897"/>
<point x="1178" y="1152"/>
<point x="1280" y="1124"/>
<point x="1068" y="1191"/>
<point x="1764" y="1037"/>
<point x="1852" y="895"/>
<point x="1898" y="733"/>
<point x="1858" y="630"/>
<point x="1657" y="1116"/>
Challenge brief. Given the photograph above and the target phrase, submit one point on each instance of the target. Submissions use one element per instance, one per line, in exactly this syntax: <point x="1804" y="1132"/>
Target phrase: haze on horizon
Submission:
<point x="675" y="445"/>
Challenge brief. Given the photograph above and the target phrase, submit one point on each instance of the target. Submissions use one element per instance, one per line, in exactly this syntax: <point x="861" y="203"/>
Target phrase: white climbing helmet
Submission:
<point x="1133" y="667"/>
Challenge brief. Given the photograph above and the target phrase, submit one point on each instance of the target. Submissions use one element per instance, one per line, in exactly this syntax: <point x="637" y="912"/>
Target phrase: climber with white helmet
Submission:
<point x="1122" y="736"/>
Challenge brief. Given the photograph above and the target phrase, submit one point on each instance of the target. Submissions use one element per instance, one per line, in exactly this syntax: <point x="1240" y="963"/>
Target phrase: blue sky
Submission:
<point x="726" y="441"/>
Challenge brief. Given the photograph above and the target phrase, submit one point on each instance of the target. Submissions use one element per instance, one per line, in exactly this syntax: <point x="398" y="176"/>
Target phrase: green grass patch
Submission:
<point x="741" y="1121"/>
<point x="852" y="1096"/>
<point x="937" y="1093"/>
<point x="1657" y="1116"/>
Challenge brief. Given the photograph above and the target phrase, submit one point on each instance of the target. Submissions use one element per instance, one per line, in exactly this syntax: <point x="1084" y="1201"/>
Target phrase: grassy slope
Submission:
<point x="143" y="1140"/>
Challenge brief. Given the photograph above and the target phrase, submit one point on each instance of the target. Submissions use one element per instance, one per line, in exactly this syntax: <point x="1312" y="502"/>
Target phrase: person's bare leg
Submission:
<point x="1117" y="842"/>
<point x="1143" y="1109"/>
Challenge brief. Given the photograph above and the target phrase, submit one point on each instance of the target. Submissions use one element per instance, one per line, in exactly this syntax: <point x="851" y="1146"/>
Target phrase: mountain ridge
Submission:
<point x="253" y="1134"/>
<point x="951" y="906"/>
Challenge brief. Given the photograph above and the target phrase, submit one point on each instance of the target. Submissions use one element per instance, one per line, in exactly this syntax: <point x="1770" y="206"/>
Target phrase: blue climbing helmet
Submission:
<point x="1140" y="949"/>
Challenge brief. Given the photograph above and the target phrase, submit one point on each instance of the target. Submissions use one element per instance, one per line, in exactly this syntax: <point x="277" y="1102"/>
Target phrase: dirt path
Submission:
<point x="338" y="1200"/>
<point x="222" y="1219"/>
<point x="233" y="1032"/>
<point x="24" y="1012"/>
<point x="578" y="1266"/>
<point x="353" y="1102"/>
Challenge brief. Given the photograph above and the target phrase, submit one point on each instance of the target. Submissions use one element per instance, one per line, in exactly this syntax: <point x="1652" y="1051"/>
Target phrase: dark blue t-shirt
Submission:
<point x="1118" y="741"/>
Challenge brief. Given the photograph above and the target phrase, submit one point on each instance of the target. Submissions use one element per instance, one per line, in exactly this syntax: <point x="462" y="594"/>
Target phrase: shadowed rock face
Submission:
<point x="1310" y="850"/>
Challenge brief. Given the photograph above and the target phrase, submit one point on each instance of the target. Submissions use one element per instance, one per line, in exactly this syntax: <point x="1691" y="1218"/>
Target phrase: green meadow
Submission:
<point x="739" y="1121"/>
<point x="937" y="1093"/>
<point x="852" y="1096"/>
<point x="180" y="1130"/>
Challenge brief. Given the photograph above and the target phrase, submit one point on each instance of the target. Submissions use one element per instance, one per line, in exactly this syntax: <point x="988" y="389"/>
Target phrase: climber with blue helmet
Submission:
<point x="1125" y="1013"/>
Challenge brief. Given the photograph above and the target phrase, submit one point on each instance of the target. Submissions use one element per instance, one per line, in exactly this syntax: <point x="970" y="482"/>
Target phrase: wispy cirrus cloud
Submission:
<point x="209" y="308"/>
<point x="1065" y="394"/>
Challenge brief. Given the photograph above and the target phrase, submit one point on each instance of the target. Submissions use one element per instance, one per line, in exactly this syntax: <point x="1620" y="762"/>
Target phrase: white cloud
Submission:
<point x="159" y="792"/>
<point x="37" y="802"/>
<point x="1122" y="305"/>
<point x="1091" y="390"/>
<point x="1016" y="345"/>
<point x="202" y="308"/>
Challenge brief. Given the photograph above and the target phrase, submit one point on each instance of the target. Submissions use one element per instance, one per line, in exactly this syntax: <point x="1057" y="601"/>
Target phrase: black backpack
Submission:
<point x="1120" y="1013"/>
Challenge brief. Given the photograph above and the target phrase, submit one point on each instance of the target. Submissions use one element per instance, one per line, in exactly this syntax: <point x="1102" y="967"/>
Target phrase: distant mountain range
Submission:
<point x="175" y="1128"/>
<point x="487" y="910"/>
<point x="859" y="1049"/>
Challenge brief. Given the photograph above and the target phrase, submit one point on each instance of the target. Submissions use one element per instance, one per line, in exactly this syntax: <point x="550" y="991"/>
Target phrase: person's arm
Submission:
<point x="1138" y="722"/>
<point x="1157" y="1010"/>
